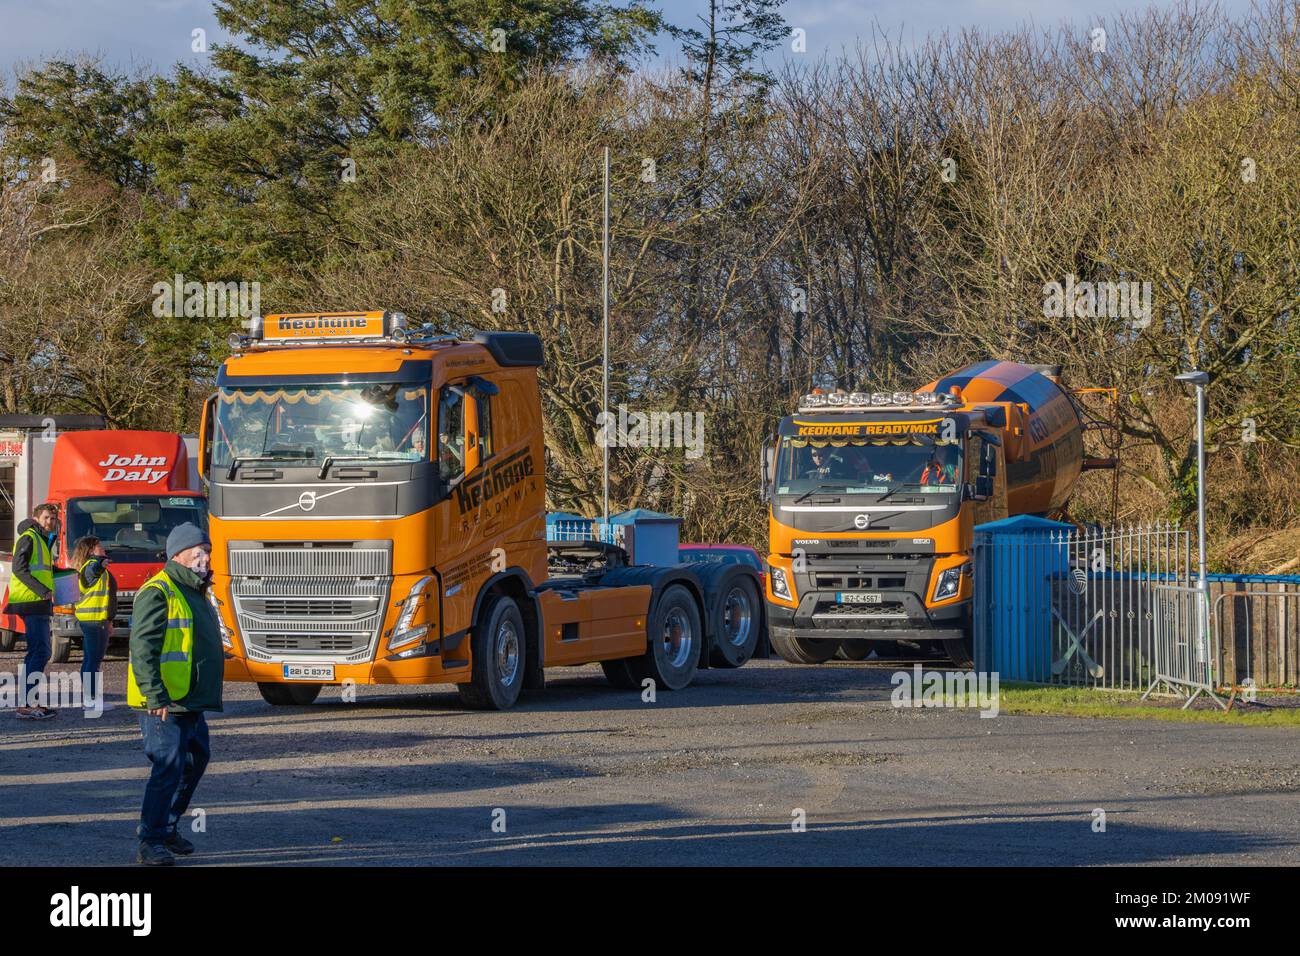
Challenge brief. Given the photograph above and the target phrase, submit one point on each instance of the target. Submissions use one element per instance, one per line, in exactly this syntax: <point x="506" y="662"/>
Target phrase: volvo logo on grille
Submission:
<point x="307" y="500"/>
<point x="861" y="521"/>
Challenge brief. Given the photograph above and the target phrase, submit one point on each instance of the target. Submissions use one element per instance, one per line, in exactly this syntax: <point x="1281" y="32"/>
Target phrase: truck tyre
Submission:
<point x="498" y="649"/>
<point x="619" y="674"/>
<point x="961" y="650"/>
<point x="286" y="695"/>
<point x="60" y="649"/>
<point x="675" y="634"/>
<point x="8" y="639"/>
<point x="737" y="618"/>
<point x="854" y="650"/>
<point x="803" y="650"/>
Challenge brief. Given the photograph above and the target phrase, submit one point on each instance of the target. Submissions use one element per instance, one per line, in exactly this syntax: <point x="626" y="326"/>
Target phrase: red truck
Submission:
<point x="127" y="488"/>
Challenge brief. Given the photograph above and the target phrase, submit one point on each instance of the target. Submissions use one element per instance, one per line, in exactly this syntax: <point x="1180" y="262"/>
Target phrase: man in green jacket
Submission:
<point x="174" y="677"/>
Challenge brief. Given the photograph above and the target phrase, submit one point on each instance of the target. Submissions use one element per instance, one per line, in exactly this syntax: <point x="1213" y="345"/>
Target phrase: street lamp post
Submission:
<point x="1200" y="380"/>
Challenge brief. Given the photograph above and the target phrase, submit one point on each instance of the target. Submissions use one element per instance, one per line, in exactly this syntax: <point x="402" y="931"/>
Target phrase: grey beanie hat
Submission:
<point x="185" y="536"/>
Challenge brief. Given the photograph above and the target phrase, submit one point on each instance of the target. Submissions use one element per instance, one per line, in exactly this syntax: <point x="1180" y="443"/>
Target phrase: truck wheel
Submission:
<point x="497" y="650"/>
<point x="961" y="650"/>
<point x="854" y="650"/>
<point x="803" y="650"/>
<point x="736" y="619"/>
<point x="60" y="649"/>
<point x="285" y="695"/>
<point x="675" y="635"/>
<point x="8" y="639"/>
<point x="619" y="674"/>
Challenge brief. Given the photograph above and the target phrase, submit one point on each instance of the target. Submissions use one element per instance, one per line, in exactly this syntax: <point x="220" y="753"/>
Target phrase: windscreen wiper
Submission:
<point x="819" y="491"/>
<point x="330" y="459"/>
<point x="234" y="465"/>
<point x="893" y="491"/>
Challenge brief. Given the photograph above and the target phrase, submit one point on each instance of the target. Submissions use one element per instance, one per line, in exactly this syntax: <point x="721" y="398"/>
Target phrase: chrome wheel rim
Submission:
<point x="507" y="653"/>
<point x="737" y="617"/>
<point x="678" y="637"/>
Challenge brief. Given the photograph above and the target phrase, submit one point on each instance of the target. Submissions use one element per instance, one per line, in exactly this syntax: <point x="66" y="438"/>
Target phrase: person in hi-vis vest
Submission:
<point x="174" y="677"/>
<point x="96" y="607"/>
<point x="31" y="593"/>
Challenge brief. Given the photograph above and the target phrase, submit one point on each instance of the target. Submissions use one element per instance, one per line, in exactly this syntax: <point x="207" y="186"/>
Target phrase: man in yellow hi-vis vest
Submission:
<point x="31" y="591"/>
<point x="174" y="677"/>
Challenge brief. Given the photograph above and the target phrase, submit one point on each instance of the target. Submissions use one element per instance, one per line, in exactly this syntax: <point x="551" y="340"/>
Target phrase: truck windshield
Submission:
<point x="867" y="468"/>
<point x="384" y="423"/>
<point x="133" y="528"/>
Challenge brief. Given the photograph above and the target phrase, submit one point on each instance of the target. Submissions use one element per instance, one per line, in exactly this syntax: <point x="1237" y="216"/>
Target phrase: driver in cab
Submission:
<point x="826" y="464"/>
<point x="937" y="472"/>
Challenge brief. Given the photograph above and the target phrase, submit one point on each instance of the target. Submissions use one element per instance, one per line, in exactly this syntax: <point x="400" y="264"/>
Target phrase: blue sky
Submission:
<point x="149" y="35"/>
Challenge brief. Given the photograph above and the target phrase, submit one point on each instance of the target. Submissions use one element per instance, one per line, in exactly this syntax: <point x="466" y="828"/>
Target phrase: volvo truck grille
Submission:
<point x="319" y="602"/>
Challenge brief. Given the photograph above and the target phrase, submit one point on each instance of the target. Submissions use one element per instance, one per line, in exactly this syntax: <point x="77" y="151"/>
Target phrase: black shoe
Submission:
<point x="154" y="854"/>
<point x="179" y="845"/>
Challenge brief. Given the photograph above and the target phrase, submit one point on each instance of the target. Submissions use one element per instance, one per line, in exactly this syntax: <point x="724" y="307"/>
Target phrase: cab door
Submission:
<point x="463" y="453"/>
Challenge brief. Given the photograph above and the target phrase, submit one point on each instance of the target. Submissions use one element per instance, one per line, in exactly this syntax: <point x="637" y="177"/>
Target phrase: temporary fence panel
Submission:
<point x="1054" y="604"/>
<point x="1185" y="657"/>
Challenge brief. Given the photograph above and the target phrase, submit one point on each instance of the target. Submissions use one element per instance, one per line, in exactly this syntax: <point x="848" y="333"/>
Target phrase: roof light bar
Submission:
<point x="841" y="400"/>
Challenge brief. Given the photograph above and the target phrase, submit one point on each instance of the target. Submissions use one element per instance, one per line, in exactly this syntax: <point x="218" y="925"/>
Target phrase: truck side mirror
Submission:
<point x="982" y="490"/>
<point x="205" y="436"/>
<point x="988" y="460"/>
<point x="769" y="457"/>
<point x="473" y="452"/>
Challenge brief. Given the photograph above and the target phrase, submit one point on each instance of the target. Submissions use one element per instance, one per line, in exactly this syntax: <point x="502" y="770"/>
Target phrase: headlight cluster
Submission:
<point x="949" y="583"/>
<point x="780" y="585"/>
<point x="404" y="633"/>
<point x="221" y="624"/>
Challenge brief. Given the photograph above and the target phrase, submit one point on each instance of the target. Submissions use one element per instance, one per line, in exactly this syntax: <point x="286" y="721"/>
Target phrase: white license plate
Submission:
<point x="857" y="597"/>
<point x="312" y="672"/>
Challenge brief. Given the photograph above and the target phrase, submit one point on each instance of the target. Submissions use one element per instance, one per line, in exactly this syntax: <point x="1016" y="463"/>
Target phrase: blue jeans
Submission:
<point x="94" y="639"/>
<point x="178" y="749"/>
<point x="36" y="629"/>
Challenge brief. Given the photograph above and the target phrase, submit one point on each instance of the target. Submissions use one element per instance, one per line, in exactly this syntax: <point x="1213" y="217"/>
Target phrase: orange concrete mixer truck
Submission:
<point x="874" y="498"/>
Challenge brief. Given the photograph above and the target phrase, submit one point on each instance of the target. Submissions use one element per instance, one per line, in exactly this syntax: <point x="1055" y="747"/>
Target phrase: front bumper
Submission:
<point x="912" y="623"/>
<point x="900" y="614"/>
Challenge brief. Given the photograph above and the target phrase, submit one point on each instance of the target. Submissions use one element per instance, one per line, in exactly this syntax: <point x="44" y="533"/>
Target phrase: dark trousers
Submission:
<point x="178" y="749"/>
<point x="94" y="639"/>
<point x="36" y="628"/>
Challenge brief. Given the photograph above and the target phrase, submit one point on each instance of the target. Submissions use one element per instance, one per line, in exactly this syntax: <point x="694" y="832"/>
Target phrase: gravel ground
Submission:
<point x="583" y="774"/>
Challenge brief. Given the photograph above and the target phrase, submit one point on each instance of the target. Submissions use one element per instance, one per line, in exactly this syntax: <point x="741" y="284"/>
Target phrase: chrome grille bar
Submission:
<point x="323" y="602"/>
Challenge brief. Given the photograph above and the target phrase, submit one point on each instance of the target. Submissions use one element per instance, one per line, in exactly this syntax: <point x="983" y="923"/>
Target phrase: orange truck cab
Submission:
<point x="378" y="516"/>
<point x="874" y="498"/>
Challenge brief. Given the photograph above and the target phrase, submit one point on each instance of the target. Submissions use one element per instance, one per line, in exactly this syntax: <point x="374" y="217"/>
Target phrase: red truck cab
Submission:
<point x="127" y="488"/>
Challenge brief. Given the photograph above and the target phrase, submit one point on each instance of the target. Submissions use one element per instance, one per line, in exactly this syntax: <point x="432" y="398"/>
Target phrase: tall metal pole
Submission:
<point x="1200" y="480"/>
<point x="1200" y="380"/>
<point x="604" y="300"/>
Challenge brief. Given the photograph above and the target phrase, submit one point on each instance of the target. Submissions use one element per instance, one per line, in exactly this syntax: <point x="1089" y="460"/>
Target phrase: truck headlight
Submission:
<point x="950" y="582"/>
<point x="404" y="633"/>
<point x="780" y="586"/>
<point x="221" y="624"/>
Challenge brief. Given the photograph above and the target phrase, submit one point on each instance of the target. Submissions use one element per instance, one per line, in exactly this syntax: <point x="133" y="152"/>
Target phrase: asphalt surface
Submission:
<point x="583" y="774"/>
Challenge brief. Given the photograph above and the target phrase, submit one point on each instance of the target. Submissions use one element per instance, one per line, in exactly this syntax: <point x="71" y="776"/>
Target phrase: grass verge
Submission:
<point x="1016" y="698"/>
